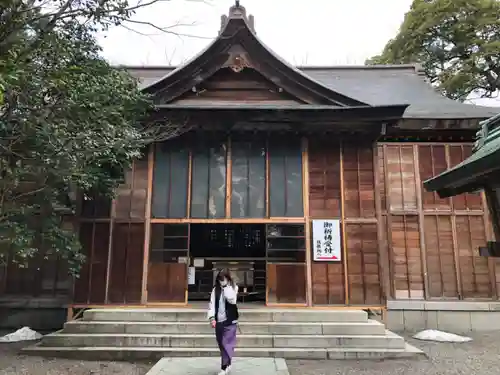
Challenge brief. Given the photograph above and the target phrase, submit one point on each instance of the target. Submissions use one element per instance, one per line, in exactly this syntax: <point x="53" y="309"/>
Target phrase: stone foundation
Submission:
<point x="451" y="316"/>
<point x="40" y="314"/>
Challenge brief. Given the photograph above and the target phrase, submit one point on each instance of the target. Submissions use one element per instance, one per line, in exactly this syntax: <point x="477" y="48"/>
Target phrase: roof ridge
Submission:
<point x="415" y="67"/>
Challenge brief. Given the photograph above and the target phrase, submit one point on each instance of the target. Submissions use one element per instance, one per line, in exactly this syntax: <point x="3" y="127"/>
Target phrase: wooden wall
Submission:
<point x="433" y="243"/>
<point x="112" y="236"/>
<point x="401" y="242"/>
<point x="346" y="178"/>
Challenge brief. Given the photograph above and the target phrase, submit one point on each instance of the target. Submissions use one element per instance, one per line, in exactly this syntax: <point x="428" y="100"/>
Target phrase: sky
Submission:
<point x="311" y="32"/>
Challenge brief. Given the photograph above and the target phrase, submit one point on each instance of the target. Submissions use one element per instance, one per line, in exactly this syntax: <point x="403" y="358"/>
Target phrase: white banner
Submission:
<point x="191" y="275"/>
<point x="326" y="240"/>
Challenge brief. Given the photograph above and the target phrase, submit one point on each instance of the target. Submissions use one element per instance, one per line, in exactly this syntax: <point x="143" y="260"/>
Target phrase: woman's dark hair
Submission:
<point x="224" y="273"/>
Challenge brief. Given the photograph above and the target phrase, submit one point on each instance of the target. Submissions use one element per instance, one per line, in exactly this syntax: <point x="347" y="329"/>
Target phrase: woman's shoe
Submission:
<point x="228" y="369"/>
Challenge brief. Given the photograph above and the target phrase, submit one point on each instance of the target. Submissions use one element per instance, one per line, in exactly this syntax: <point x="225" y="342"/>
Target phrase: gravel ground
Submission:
<point x="12" y="363"/>
<point x="481" y="357"/>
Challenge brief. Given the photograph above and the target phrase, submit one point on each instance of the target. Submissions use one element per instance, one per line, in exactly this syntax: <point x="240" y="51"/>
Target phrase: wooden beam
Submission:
<point x="110" y="249"/>
<point x="343" y="226"/>
<point x="190" y="183"/>
<point x="274" y="220"/>
<point x="421" y="221"/>
<point x="305" y="194"/>
<point x="268" y="212"/>
<point x="229" y="176"/>
<point x="389" y="224"/>
<point x="456" y="260"/>
<point x="147" y="229"/>
<point x="383" y="247"/>
<point x="90" y="261"/>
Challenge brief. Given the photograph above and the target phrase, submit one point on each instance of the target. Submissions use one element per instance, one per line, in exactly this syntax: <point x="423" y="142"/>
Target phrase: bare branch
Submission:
<point x="163" y="129"/>
<point x="166" y="29"/>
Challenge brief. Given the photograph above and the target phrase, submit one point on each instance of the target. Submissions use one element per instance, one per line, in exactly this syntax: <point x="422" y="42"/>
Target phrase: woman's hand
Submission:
<point x="213" y="323"/>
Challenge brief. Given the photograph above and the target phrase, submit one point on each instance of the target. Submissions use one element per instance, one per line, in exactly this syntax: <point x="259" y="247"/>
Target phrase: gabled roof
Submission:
<point x="237" y="47"/>
<point x="373" y="84"/>
<point x="472" y="173"/>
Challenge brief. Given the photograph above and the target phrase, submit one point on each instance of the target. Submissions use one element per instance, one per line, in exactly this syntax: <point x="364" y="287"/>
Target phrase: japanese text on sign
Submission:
<point x="326" y="240"/>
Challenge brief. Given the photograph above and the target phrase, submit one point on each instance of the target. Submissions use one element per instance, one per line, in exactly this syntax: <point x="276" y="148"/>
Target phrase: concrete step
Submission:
<point x="143" y="353"/>
<point x="389" y="341"/>
<point x="370" y="327"/>
<point x="246" y="315"/>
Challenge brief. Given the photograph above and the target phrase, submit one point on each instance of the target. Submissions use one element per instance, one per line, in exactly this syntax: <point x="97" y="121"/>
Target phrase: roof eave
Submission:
<point x="238" y="31"/>
<point x="467" y="177"/>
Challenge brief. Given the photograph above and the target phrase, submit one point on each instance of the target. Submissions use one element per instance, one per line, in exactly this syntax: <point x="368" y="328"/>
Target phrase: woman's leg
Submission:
<point x="219" y="334"/>
<point x="228" y="344"/>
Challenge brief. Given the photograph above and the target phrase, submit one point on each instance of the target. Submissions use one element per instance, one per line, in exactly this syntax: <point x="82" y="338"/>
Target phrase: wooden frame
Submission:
<point x="147" y="226"/>
<point x="383" y="218"/>
<point x="421" y="218"/>
<point x="274" y="220"/>
<point x="110" y="249"/>
<point x="453" y="218"/>
<point x="229" y="177"/>
<point x="383" y="245"/>
<point x="388" y="223"/>
<point x="307" y="215"/>
<point x="343" y="225"/>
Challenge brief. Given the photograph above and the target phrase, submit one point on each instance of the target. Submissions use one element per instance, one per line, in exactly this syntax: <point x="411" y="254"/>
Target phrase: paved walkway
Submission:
<point x="210" y="366"/>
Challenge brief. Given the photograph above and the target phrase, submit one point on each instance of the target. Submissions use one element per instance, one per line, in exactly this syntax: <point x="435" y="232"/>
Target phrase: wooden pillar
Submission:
<point x="189" y="184"/>
<point x="454" y="235"/>
<point x="147" y="229"/>
<point x="268" y="188"/>
<point x="305" y="194"/>
<point x="382" y="238"/>
<point x="343" y="225"/>
<point x="388" y="229"/>
<point x="229" y="175"/>
<point x="421" y="218"/>
<point x="110" y="249"/>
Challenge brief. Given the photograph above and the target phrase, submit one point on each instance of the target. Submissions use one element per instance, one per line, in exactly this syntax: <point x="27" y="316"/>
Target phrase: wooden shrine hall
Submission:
<point x="305" y="181"/>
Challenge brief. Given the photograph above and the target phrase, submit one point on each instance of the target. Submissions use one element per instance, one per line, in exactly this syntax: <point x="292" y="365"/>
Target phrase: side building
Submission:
<point x="264" y="155"/>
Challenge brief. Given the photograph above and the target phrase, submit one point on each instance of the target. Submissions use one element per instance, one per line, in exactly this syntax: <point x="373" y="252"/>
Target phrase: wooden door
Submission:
<point x="168" y="263"/>
<point x="286" y="264"/>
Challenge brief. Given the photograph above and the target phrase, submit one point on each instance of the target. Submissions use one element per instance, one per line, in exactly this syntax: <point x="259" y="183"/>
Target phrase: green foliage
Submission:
<point x="68" y="122"/>
<point x="456" y="41"/>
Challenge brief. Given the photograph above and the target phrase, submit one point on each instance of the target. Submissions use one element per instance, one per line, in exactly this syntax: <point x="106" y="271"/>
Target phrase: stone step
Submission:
<point x="370" y="327"/>
<point x="246" y="315"/>
<point x="389" y="341"/>
<point x="146" y="353"/>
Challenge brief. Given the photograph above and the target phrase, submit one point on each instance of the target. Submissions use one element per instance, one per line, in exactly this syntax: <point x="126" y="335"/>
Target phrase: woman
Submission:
<point x="223" y="316"/>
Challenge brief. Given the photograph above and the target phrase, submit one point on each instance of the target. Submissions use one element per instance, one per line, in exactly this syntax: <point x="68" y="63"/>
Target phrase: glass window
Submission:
<point x="248" y="197"/>
<point x="209" y="180"/>
<point x="170" y="181"/>
<point x="285" y="173"/>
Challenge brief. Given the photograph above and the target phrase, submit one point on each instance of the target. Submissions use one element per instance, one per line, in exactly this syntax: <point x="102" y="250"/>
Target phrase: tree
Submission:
<point x="68" y="121"/>
<point x="456" y="41"/>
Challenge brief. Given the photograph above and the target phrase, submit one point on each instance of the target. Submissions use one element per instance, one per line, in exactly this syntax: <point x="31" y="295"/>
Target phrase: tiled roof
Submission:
<point x="375" y="85"/>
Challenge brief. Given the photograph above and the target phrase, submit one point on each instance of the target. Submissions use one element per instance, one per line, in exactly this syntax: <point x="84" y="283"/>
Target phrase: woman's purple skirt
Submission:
<point x="226" y="339"/>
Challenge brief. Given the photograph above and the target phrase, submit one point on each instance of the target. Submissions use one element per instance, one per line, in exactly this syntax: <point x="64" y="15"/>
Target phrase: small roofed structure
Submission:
<point x="479" y="171"/>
